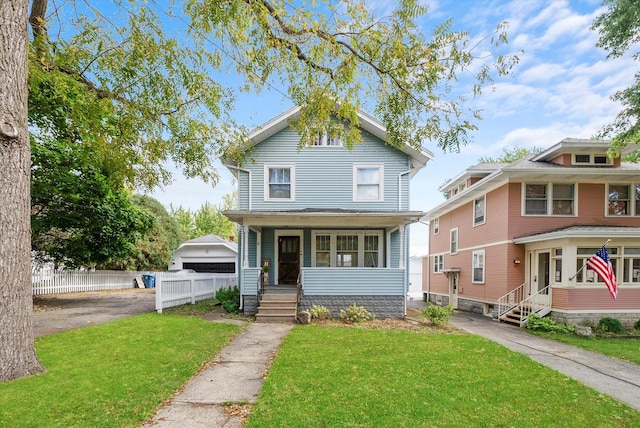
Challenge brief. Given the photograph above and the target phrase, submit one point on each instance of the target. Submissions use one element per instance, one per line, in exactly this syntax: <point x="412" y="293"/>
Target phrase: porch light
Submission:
<point x="516" y="261"/>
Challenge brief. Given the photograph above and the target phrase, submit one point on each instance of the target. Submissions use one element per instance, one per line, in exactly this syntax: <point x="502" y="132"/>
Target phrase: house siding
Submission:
<point x="324" y="175"/>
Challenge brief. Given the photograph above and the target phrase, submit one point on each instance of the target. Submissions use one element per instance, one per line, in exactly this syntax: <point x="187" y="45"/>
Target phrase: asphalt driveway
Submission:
<point x="60" y="312"/>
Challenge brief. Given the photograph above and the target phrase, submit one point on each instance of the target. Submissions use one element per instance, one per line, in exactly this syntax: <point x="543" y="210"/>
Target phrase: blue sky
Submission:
<point x="560" y="89"/>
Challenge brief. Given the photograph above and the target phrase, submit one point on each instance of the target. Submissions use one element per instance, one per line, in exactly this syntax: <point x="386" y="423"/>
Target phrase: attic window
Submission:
<point x="325" y="140"/>
<point x="588" y="159"/>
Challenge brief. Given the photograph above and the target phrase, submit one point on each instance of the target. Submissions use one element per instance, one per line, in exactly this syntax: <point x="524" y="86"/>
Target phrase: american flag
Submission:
<point x="601" y="264"/>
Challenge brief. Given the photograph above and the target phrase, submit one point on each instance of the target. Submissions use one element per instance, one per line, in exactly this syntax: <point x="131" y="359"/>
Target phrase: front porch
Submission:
<point x="381" y="290"/>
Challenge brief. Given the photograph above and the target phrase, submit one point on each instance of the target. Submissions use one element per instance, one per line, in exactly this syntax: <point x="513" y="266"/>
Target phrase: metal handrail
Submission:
<point x="510" y="300"/>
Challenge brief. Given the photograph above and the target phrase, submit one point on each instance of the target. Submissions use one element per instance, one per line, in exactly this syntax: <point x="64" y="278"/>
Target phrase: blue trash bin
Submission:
<point x="149" y="281"/>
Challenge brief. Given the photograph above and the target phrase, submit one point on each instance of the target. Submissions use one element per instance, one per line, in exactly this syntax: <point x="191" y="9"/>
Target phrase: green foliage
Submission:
<point x="319" y="312"/>
<point x="154" y="250"/>
<point x="208" y="219"/>
<point x="619" y="28"/>
<point x="79" y="214"/>
<point x="609" y="325"/>
<point x="229" y="297"/>
<point x="636" y="325"/>
<point x="438" y="315"/>
<point x="537" y="323"/>
<point x="512" y="154"/>
<point x="356" y="314"/>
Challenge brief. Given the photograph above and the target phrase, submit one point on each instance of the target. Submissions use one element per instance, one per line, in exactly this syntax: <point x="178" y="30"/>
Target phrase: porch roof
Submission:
<point x="594" y="231"/>
<point x="324" y="218"/>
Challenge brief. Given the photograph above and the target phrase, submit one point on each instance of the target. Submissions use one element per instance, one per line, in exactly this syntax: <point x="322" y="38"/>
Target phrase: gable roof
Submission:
<point x="535" y="167"/>
<point x="367" y="122"/>
<point x="210" y="240"/>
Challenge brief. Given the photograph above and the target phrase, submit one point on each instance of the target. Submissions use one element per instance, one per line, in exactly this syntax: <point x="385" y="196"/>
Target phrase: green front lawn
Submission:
<point x="354" y="377"/>
<point x="627" y="349"/>
<point x="111" y="375"/>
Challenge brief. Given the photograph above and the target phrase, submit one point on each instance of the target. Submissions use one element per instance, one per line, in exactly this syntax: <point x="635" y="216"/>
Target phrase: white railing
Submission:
<point x="178" y="289"/>
<point x="535" y="304"/>
<point x="57" y="282"/>
<point x="510" y="300"/>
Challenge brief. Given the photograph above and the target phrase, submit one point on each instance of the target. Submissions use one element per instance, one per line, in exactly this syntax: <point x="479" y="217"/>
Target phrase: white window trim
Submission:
<point x="484" y="215"/>
<point x="436" y="225"/>
<point x="632" y="200"/>
<point x="549" y="199"/>
<point x="473" y="267"/>
<point x="333" y="248"/>
<point x="451" y="231"/>
<point x="323" y="141"/>
<point x="356" y="167"/>
<point x="435" y="262"/>
<point x="292" y="184"/>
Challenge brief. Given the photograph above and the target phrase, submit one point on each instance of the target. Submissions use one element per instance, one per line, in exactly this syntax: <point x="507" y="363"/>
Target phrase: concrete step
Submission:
<point x="286" y="310"/>
<point x="279" y="298"/>
<point x="275" y="318"/>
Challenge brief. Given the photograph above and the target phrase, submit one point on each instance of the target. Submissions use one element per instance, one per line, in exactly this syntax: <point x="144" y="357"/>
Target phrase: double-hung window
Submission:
<point x="324" y="139"/>
<point x="279" y="182"/>
<point x="368" y="183"/>
<point x="549" y="199"/>
<point x="438" y="263"/>
<point x="436" y="225"/>
<point x="619" y="199"/>
<point x="453" y="241"/>
<point x="478" y="211"/>
<point x="347" y="249"/>
<point x="478" y="267"/>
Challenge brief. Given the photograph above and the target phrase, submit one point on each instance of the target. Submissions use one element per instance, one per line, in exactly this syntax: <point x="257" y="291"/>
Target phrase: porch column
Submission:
<point x="245" y="245"/>
<point x="401" y="262"/>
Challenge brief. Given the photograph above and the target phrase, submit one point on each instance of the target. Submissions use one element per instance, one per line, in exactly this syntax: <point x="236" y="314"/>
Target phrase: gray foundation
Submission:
<point x="380" y="306"/>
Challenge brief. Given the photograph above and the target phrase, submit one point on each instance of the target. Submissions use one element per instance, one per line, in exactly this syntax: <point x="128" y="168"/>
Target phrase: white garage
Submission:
<point x="208" y="253"/>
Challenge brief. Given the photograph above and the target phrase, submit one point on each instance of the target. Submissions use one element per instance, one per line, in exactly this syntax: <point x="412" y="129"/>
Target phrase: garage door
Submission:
<point x="220" y="267"/>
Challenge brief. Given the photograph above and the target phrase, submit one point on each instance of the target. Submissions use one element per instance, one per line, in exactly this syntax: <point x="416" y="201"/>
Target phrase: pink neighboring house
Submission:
<point x="512" y="239"/>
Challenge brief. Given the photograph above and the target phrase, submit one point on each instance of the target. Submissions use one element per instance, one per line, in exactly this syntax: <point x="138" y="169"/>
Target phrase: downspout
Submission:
<point x="249" y="174"/>
<point x="244" y="235"/>
<point x="400" y="187"/>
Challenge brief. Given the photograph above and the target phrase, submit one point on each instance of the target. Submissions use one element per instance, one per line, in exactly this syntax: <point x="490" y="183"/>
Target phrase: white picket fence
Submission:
<point x="179" y="289"/>
<point x="172" y="289"/>
<point x="58" y="282"/>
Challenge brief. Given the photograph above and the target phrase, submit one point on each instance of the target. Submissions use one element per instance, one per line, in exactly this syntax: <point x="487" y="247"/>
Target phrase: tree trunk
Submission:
<point x="17" y="352"/>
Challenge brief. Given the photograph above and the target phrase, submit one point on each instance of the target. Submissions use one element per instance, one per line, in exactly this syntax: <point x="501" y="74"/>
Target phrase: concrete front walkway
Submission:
<point x="613" y="377"/>
<point x="234" y="376"/>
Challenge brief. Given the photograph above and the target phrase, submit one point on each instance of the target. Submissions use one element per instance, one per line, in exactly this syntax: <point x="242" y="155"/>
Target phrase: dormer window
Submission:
<point x="592" y="159"/>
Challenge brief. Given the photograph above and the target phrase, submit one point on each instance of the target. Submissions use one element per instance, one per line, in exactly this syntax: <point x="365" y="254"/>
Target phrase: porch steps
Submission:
<point x="515" y="316"/>
<point x="279" y="303"/>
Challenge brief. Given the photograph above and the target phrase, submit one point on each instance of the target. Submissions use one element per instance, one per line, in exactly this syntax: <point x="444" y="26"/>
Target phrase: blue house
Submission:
<point x="330" y="224"/>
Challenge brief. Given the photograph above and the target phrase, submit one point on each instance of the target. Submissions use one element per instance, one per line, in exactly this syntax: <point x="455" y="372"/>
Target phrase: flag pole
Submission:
<point x="585" y="265"/>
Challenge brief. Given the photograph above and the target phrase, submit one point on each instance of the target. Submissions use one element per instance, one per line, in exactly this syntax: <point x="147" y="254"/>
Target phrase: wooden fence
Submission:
<point x="57" y="282"/>
<point x="179" y="289"/>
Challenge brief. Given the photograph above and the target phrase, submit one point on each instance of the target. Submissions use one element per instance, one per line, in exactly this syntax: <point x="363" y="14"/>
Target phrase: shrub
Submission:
<point x="319" y="312"/>
<point x="438" y="315"/>
<point x="229" y="298"/>
<point x="356" y="314"/>
<point x="537" y="323"/>
<point x="637" y="325"/>
<point x="609" y="325"/>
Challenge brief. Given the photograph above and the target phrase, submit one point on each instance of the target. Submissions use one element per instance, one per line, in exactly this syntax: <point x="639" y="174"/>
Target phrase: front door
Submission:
<point x="453" y="289"/>
<point x="288" y="259"/>
<point x="540" y="275"/>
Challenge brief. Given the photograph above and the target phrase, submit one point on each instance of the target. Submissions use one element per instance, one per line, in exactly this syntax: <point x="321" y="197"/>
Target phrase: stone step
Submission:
<point x="279" y="298"/>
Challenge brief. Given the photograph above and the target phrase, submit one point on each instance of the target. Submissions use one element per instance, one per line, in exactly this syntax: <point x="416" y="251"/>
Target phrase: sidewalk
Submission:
<point x="613" y="377"/>
<point x="234" y="376"/>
